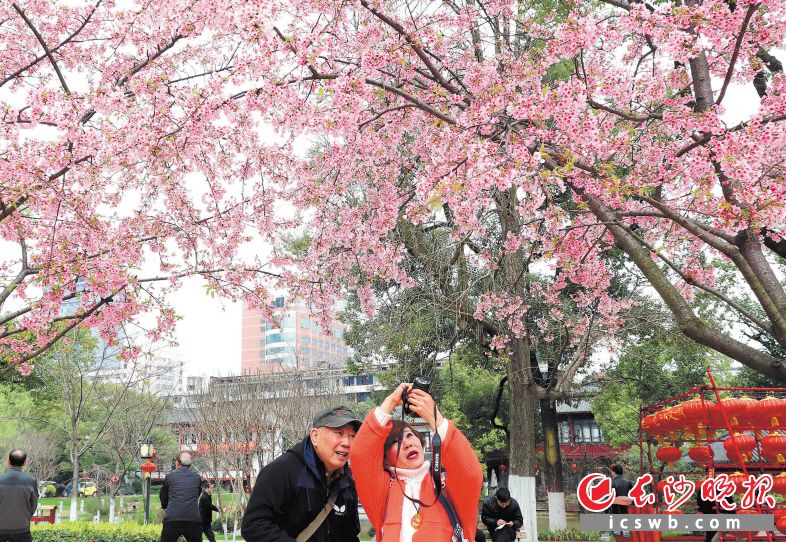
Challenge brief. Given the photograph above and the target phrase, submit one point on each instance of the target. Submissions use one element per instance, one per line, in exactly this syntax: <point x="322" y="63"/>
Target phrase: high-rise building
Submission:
<point x="294" y="340"/>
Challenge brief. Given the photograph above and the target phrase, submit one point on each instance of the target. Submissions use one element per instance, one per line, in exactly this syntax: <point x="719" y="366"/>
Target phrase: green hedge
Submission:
<point x="568" y="535"/>
<point x="96" y="532"/>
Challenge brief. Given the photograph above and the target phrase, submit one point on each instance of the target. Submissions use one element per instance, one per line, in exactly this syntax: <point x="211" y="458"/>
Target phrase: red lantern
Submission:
<point x="780" y="524"/>
<point x="779" y="513"/>
<point x="773" y="448"/>
<point x="742" y="412"/>
<point x="148" y="467"/>
<point x="779" y="484"/>
<point x="662" y="427"/>
<point x="697" y="415"/>
<point x="771" y="408"/>
<point x="744" y="444"/>
<point x="669" y="454"/>
<point x="660" y="485"/>
<point x="701" y="455"/>
<point x="737" y="478"/>
<point x="670" y="420"/>
<point x="648" y="424"/>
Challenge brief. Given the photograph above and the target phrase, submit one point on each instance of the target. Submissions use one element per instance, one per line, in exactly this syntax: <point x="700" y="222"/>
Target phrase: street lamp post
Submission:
<point x="147" y="452"/>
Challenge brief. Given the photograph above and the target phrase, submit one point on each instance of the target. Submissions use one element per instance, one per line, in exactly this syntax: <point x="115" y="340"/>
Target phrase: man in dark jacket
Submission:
<point x="179" y="499"/>
<point x="291" y="491"/>
<point x="206" y="509"/>
<point x="622" y="487"/>
<point x="18" y="500"/>
<point x="502" y="516"/>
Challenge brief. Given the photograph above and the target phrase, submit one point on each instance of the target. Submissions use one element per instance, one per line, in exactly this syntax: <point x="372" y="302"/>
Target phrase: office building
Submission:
<point x="293" y="339"/>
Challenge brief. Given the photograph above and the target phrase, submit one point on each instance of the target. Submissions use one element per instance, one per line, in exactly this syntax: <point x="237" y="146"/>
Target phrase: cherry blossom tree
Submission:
<point x="590" y="133"/>
<point x="590" y="138"/>
<point x="125" y="166"/>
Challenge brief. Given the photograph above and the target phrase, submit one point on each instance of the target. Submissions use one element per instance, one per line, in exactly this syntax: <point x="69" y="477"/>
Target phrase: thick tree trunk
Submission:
<point x="522" y="435"/>
<point x="553" y="468"/>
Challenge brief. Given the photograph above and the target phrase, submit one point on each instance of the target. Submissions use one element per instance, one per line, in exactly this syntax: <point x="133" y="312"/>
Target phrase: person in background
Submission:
<point x="206" y="509"/>
<point x="622" y="487"/>
<point x="501" y="514"/>
<point x="18" y="500"/>
<point x="180" y="502"/>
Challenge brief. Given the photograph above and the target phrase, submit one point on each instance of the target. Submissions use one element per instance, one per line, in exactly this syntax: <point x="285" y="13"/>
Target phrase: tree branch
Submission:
<point x="55" y="49"/>
<point x="751" y="9"/>
<point x="40" y="39"/>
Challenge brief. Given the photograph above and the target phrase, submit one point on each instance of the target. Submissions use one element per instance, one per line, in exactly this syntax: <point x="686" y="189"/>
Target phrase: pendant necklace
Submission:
<point x="417" y="519"/>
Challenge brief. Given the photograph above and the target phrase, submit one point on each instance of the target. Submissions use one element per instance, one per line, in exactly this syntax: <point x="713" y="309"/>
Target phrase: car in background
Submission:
<point x="87" y="488"/>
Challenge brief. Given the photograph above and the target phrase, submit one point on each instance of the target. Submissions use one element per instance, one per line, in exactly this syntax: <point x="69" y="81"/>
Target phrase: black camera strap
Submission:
<point x="436" y="457"/>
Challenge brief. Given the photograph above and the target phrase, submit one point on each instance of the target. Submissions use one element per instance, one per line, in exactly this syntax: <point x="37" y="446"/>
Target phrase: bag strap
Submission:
<point x="458" y="531"/>
<point x="312" y="527"/>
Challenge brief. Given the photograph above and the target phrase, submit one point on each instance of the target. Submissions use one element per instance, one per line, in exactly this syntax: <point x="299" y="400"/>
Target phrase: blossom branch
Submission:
<point x="54" y="49"/>
<point x="422" y="55"/>
<point x="627" y="116"/>
<point x="693" y="282"/>
<point x="40" y="39"/>
<point x="751" y="10"/>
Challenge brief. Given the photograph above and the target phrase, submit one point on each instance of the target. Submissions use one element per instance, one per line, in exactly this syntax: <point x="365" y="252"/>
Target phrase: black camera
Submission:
<point x="418" y="383"/>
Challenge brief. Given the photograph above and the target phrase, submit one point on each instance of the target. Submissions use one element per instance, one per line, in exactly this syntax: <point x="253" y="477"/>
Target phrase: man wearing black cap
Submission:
<point x="308" y="494"/>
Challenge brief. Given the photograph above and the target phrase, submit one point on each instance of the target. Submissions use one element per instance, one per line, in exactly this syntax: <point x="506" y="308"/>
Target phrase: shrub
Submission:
<point x="217" y="526"/>
<point x="568" y="535"/>
<point x="96" y="532"/>
<point x="50" y="490"/>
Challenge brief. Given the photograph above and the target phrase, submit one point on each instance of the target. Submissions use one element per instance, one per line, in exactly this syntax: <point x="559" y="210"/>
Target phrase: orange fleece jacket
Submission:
<point x="376" y="488"/>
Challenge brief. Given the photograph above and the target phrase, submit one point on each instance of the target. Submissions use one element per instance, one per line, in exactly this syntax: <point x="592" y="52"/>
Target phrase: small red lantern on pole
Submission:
<point x="773" y="409"/>
<point x="773" y="448"/>
<point x="780" y="524"/>
<point x="779" y="484"/>
<point x="737" y="478"/>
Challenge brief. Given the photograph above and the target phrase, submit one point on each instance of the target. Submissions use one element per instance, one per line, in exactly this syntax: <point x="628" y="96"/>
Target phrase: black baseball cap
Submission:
<point x="336" y="417"/>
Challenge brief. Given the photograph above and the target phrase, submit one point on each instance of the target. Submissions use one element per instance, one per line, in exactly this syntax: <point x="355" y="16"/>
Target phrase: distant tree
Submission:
<point x="660" y="362"/>
<point x="88" y="408"/>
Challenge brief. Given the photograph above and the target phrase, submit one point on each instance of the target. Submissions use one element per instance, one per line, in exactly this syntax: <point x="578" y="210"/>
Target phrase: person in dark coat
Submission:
<point x="290" y="492"/>
<point x="622" y="487"/>
<point x="179" y="499"/>
<point x="206" y="509"/>
<point x="501" y="514"/>
<point x="18" y="500"/>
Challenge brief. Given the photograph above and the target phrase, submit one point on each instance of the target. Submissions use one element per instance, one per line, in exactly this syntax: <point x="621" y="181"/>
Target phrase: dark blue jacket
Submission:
<point x="180" y="495"/>
<point x="18" y="501"/>
<point x="291" y="491"/>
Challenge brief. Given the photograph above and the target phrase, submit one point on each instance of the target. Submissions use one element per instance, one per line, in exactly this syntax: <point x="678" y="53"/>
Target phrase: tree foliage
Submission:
<point x="660" y="364"/>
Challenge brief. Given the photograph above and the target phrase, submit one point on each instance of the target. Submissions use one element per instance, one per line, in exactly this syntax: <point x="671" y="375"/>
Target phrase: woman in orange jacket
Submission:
<point x="393" y="479"/>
